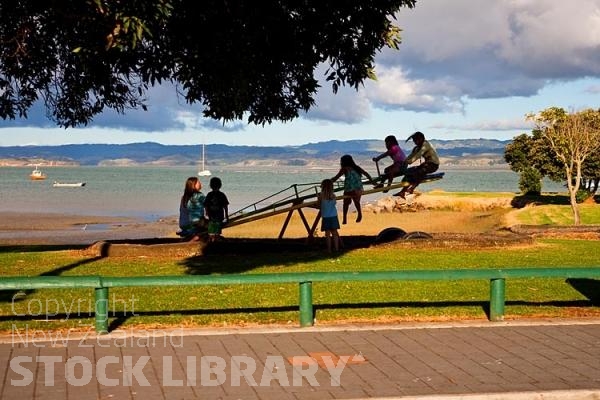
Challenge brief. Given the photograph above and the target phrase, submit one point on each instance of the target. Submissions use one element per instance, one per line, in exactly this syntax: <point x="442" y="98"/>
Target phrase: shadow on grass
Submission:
<point x="241" y="255"/>
<point x="15" y="296"/>
<point x="553" y="199"/>
<point x="119" y="319"/>
<point x="590" y="288"/>
<point x="546" y="199"/>
<point x="39" y="248"/>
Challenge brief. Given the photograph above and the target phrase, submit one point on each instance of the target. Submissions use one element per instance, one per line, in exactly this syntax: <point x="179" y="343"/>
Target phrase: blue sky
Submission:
<point x="465" y="69"/>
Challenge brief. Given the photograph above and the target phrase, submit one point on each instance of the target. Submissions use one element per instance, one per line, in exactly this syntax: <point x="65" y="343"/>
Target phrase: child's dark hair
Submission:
<point x="348" y="161"/>
<point x="215" y="183"/>
<point x="416" y="136"/>
<point x="327" y="192"/>
<point x="392" y="139"/>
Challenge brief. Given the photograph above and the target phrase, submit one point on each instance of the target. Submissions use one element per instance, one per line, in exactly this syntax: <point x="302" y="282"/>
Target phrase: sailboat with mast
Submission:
<point x="203" y="171"/>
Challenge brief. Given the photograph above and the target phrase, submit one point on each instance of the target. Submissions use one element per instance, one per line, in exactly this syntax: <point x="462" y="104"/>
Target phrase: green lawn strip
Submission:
<point x="550" y="214"/>
<point x="277" y="303"/>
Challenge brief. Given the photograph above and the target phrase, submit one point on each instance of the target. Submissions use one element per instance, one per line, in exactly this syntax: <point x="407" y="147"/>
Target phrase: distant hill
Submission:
<point x="468" y="152"/>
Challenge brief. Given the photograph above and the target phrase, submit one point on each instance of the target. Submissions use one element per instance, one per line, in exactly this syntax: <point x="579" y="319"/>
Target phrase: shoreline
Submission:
<point x="438" y="213"/>
<point x="432" y="213"/>
<point x="57" y="228"/>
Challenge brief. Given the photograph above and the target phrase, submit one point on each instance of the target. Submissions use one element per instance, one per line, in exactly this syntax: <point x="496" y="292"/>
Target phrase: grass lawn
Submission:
<point x="550" y="214"/>
<point x="277" y="303"/>
<point x="334" y="302"/>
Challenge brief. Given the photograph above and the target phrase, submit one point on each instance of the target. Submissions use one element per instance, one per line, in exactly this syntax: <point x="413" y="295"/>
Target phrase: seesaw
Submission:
<point x="302" y="198"/>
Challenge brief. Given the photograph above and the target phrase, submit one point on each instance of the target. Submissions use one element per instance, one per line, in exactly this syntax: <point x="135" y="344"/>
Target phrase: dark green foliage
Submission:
<point x="533" y="151"/>
<point x="591" y="173"/>
<point x="582" y="195"/>
<point x="238" y="59"/>
<point x="530" y="182"/>
<point x="516" y="153"/>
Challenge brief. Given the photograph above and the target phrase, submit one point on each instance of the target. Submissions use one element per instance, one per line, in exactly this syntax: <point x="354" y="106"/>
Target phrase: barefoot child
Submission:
<point x="329" y="219"/>
<point x="353" y="187"/>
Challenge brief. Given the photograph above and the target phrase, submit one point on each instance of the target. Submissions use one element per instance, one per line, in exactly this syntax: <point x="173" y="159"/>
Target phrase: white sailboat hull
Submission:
<point x="203" y="172"/>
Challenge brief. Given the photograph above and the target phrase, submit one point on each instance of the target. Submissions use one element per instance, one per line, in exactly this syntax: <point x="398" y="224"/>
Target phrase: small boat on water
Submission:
<point x="203" y="172"/>
<point x="37" y="174"/>
<point x="66" y="184"/>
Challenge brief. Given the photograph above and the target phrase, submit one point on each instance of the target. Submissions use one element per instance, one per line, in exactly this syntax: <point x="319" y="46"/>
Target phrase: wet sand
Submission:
<point x="434" y="216"/>
<point x="42" y="228"/>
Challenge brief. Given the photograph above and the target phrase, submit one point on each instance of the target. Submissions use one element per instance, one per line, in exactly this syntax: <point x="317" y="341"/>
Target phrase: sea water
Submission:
<point x="151" y="193"/>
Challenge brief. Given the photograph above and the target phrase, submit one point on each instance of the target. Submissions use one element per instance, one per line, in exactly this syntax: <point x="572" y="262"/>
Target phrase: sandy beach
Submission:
<point x="431" y="215"/>
<point x="42" y="228"/>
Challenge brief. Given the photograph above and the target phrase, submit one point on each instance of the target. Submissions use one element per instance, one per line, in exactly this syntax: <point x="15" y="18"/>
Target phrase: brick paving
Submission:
<point x="485" y="360"/>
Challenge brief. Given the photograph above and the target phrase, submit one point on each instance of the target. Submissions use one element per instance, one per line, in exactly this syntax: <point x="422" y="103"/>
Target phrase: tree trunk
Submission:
<point x="574" y="207"/>
<point x="573" y="186"/>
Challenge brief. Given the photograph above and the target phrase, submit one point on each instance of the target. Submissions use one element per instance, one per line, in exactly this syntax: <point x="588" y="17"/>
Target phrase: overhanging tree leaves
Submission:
<point x="238" y="59"/>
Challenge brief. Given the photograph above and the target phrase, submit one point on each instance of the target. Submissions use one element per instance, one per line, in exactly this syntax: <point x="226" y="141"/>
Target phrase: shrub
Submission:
<point x="582" y="195"/>
<point x="530" y="181"/>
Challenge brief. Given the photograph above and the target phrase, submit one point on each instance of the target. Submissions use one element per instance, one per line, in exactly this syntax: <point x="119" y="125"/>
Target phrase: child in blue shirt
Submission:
<point x="191" y="209"/>
<point x="329" y="219"/>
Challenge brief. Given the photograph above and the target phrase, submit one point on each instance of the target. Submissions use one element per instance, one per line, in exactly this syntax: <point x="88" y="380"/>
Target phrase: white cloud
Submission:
<point x="557" y="40"/>
<point x="463" y="49"/>
<point x="394" y="90"/>
<point x="347" y="106"/>
<point x="498" y="125"/>
<point x="438" y="31"/>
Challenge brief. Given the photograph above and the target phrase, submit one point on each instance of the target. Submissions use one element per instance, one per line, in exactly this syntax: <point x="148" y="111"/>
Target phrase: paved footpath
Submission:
<point x="508" y="360"/>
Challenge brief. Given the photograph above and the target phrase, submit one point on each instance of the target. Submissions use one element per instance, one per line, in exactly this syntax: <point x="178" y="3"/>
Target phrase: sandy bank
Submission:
<point x="43" y="228"/>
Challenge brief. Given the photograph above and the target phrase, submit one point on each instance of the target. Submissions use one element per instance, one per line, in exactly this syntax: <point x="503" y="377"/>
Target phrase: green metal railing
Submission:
<point x="101" y="285"/>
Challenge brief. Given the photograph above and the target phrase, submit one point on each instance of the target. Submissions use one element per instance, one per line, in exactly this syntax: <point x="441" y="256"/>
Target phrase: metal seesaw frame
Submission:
<point x="300" y="198"/>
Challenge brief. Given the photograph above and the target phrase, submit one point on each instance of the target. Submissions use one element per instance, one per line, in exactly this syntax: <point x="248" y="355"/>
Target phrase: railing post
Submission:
<point x="101" y="310"/>
<point x="497" y="288"/>
<point x="306" y="305"/>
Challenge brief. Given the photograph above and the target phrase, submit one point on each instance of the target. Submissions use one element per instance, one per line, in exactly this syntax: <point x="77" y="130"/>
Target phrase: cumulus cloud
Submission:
<point x="347" y="106"/>
<point x="452" y="52"/>
<point x="165" y="110"/>
<point x="164" y="106"/>
<point x="393" y="89"/>
<point x="194" y="120"/>
<point x="473" y="49"/>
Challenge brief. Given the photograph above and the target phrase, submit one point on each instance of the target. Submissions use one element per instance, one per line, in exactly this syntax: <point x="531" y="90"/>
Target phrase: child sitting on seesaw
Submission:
<point x="398" y="157"/>
<point x="415" y="175"/>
